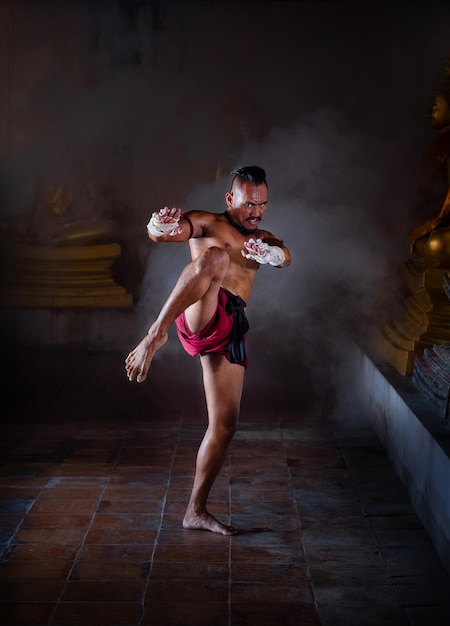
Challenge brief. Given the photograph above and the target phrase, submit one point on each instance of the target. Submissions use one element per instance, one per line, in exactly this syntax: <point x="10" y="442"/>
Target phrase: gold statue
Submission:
<point x="55" y="221"/>
<point x="55" y="255"/>
<point x="430" y="240"/>
<point x="426" y="321"/>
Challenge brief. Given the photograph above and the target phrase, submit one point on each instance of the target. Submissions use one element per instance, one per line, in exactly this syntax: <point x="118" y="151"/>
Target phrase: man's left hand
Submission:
<point x="262" y="252"/>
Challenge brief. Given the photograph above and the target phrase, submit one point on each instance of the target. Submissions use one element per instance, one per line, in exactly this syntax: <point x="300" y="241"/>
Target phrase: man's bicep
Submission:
<point x="196" y="222"/>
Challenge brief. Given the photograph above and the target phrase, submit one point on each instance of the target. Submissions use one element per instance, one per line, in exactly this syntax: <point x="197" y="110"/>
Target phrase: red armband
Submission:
<point x="273" y="241"/>
<point x="191" y="226"/>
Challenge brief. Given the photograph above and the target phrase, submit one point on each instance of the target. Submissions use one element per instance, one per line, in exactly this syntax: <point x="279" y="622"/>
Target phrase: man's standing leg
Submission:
<point x="223" y="382"/>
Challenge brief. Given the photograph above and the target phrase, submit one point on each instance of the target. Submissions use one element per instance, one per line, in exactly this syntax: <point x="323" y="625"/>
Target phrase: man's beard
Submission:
<point x="242" y="229"/>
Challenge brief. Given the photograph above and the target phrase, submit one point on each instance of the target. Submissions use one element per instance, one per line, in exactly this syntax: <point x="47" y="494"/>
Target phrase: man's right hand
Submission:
<point x="165" y="222"/>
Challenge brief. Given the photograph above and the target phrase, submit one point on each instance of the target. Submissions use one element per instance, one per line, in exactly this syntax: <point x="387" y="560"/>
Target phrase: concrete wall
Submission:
<point x="417" y="441"/>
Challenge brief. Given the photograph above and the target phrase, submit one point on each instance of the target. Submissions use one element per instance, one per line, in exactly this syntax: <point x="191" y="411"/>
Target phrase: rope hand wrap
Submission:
<point x="157" y="228"/>
<point x="265" y="253"/>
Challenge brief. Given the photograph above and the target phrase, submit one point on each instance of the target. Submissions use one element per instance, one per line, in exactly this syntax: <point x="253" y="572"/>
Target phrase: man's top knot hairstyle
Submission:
<point x="251" y="173"/>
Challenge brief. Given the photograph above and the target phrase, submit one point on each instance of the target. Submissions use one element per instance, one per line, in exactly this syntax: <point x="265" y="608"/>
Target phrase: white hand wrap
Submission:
<point x="265" y="253"/>
<point x="157" y="228"/>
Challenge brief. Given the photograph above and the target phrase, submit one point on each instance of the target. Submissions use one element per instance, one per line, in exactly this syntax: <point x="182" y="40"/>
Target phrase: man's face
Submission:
<point x="247" y="204"/>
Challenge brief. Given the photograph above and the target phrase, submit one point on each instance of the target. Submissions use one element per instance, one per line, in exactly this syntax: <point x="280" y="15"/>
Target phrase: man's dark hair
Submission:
<point x="251" y="173"/>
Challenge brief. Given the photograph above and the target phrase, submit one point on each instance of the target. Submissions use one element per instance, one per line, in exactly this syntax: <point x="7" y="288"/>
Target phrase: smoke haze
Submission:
<point x="139" y="104"/>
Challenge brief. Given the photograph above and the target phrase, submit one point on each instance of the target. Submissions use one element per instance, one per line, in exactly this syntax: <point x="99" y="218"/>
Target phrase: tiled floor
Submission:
<point x="95" y="476"/>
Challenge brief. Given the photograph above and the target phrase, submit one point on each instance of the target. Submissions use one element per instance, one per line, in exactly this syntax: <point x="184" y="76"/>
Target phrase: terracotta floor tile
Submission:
<point x="38" y="570"/>
<point x="215" y="552"/>
<point x="186" y="614"/>
<point x="9" y="525"/>
<point x="115" y="552"/>
<point x="246" y="507"/>
<point x="133" y="492"/>
<point x="384" y="595"/>
<point x="94" y="486"/>
<point x="258" y="522"/>
<point x="126" y="521"/>
<point x="104" y="591"/>
<point x="145" y="507"/>
<point x="111" y="570"/>
<point x="21" y="493"/>
<point x="65" y="505"/>
<point x="248" y="572"/>
<point x="135" y="477"/>
<point x="55" y="521"/>
<point x="121" y="536"/>
<point x="168" y="570"/>
<point x="391" y="522"/>
<point x="264" y="554"/>
<point x="267" y="613"/>
<point x="68" y="536"/>
<point x="26" y="613"/>
<point x="74" y="469"/>
<point x="266" y="537"/>
<point x="423" y="590"/>
<point x="373" y="615"/>
<point x="41" y="552"/>
<point x="288" y="592"/>
<point x="15" y="507"/>
<point x="412" y="560"/>
<point x="182" y="590"/>
<point x="96" y="613"/>
<point x="69" y="492"/>
<point x="341" y="566"/>
<point x="34" y="590"/>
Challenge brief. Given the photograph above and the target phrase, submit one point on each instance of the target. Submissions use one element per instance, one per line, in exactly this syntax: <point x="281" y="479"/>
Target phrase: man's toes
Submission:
<point x="141" y="377"/>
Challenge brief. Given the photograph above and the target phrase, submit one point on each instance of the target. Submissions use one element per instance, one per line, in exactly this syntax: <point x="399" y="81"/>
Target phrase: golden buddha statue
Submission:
<point x="54" y="221"/>
<point x="430" y="240"/>
<point x="59" y="255"/>
<point x="426" y="321"/>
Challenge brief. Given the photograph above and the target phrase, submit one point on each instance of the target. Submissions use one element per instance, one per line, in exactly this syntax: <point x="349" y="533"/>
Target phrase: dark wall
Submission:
<point x="136" y="104"/>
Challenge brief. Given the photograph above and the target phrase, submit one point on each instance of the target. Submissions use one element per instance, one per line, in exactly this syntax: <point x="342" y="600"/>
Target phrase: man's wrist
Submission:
<point x="277" y="256"/>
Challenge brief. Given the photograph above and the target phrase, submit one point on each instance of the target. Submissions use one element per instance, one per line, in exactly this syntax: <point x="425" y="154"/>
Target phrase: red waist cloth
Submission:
<point x="216" y="336"/>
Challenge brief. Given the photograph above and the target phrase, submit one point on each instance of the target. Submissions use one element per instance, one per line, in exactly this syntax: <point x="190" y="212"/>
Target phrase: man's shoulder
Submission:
<point x="205" y="217"/>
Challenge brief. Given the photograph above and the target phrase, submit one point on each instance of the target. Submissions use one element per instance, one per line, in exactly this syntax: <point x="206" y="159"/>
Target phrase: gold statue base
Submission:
<point x="427" y="319"/>
<point x="35" y="276"/>
<point x="431" y="375"/>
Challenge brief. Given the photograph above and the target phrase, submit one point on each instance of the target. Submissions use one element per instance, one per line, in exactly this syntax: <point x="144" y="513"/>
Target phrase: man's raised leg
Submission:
<point x="196" y="289"/>
<point x="223" y="382"/>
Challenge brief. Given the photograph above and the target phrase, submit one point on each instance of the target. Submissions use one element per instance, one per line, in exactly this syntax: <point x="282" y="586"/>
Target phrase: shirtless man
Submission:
<point x="207" y="305"/>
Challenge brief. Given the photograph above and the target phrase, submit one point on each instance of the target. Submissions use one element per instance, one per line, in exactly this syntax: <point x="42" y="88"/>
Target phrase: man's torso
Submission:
<point x="217" y="231"/>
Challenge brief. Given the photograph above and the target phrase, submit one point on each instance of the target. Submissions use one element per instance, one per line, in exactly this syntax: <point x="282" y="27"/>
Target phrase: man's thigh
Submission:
<point x="223" y="382"/>
<point x="199" y="314"/>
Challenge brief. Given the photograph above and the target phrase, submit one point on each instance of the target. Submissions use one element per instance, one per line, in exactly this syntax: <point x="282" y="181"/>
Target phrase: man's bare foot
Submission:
<point x="138" y="361"/>
<point x="205" y="521"/>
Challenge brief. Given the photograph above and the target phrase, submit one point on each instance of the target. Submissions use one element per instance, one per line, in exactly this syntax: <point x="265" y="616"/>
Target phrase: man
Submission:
<point x="207" y="304"/>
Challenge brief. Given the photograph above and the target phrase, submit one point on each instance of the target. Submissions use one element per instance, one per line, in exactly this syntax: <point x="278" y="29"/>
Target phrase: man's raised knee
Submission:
<point x="215" y="260"/>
